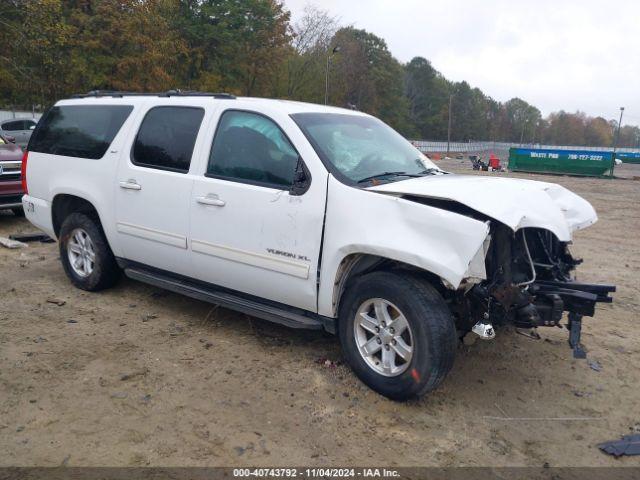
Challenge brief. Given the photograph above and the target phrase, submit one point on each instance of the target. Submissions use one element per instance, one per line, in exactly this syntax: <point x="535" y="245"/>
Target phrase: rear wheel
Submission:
<point x="85" y="253"/>
<point x="18" y="211"/>
<point x="397" y="334"/>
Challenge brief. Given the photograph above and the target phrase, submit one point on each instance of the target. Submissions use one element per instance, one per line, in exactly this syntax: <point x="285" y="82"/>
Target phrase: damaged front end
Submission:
<point x="528" y="284"/>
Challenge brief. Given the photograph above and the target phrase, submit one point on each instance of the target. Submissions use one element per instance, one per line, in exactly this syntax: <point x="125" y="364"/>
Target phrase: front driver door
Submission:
<point x="249" y="232"/>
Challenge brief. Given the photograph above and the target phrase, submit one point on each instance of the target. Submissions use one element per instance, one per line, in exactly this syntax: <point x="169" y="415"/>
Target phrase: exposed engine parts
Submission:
<point x="529" y="285"/>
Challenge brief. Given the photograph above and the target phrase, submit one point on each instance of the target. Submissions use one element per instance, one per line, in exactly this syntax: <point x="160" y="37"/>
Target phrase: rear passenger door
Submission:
<point x="154" y="185"/>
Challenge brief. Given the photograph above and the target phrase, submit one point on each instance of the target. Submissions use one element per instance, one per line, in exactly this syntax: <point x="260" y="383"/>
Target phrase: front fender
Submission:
<point x="361" y="221"/>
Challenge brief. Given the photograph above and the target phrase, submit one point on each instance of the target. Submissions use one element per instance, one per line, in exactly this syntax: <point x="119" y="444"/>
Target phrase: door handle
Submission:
<point x="211" y="199"/>
<point x="130" y="185"/>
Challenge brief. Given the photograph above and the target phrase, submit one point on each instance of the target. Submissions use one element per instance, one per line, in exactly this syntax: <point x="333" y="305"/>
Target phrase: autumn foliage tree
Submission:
<point x="54" y="48"/>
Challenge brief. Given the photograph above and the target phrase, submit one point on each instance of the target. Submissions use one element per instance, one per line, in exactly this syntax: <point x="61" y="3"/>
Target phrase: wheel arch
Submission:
<point x="65" y="204"/>
<point x="355" y="265"/>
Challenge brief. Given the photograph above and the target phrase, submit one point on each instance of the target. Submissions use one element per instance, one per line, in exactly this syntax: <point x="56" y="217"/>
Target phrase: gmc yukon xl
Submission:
<point x="311" y="216"/>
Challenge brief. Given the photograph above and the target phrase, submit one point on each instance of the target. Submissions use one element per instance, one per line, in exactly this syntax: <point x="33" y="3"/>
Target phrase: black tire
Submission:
<point x="431" y="324"/>
<point x="18" y="211"/>
<point x="105" y="269"/>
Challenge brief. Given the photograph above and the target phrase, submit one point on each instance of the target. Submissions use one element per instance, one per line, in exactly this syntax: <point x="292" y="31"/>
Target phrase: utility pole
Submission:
<point x="449" y="128"/>
<point x="330" y="53"/>
<point x="615" y="143"/>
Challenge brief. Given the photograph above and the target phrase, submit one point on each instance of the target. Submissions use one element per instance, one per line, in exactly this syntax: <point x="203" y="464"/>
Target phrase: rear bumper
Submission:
<point x="10" y="194"/>
<point x="38" y="212"/>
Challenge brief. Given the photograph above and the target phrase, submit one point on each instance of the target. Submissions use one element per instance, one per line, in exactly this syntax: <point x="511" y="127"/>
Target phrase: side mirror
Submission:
<point x="301" y="179"/>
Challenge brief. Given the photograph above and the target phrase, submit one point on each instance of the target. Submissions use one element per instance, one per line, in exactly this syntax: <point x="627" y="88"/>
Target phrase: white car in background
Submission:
<point x="18" y="128"/>
<point x="310" y="216"/>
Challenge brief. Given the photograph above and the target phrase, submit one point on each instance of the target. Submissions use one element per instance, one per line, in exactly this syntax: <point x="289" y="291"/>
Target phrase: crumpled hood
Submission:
<point x="515" y="202"/>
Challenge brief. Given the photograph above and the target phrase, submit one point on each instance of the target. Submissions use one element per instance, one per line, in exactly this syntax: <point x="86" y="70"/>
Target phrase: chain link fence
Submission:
<point x="427" y="146"/>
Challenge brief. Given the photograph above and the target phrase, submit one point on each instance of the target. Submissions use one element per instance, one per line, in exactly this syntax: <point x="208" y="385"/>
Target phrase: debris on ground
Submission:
<point x="627" y="445"/>
<point x="32" y="237"/>
<point x="8" y="243"/>
<point x="328" y="363"/>
<point x="137" y="373"/>
<point x="595" y="365"/>
<point x="579" y="393"/>
<point x="56" y="301"/>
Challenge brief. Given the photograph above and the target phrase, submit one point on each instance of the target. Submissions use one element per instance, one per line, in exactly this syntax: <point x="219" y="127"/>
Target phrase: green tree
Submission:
<point x="237" y="46"/>
<point x="427" y="92"/>
<point x="366" y="76"/>
<point x="125" y="45"/>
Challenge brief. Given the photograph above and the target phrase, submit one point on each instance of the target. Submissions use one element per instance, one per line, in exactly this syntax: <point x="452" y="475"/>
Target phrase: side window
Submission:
<point x="83" y="131"/>
<point x="13" y="126"/>
<point x="29" y="124"/>
<point x="251" y="148"/>
<point x="166" y="138"/>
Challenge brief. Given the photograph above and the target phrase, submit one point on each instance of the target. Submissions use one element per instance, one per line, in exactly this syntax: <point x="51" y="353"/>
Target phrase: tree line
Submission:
<point x="54" y="48"/>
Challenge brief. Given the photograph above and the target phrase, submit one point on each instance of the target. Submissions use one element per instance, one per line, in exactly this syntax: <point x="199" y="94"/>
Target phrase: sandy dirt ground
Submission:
<point x="139" y="376"/>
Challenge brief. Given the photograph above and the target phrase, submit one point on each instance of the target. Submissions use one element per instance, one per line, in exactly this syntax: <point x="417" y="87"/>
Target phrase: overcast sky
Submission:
<point x="562" y="54"/>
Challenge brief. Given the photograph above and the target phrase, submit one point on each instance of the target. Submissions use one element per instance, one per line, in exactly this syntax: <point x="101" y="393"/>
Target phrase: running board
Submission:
<point x="284" y="316"/>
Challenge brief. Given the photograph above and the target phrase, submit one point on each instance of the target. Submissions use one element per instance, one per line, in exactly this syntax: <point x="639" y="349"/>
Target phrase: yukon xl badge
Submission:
<point x="295" y="256"/>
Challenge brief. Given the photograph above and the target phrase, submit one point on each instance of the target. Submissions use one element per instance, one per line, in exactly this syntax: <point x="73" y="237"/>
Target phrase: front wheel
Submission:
<point x="397" y="334"/>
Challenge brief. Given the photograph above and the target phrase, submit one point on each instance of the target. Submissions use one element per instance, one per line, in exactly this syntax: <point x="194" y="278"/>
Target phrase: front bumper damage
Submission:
<point x="529" y="285"/>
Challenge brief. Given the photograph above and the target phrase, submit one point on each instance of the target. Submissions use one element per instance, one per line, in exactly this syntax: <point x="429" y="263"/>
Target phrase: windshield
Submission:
<point x="362" y="148"/>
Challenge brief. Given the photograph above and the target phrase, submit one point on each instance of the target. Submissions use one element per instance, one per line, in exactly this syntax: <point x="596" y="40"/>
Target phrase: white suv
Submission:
<point x="310" y="216"/>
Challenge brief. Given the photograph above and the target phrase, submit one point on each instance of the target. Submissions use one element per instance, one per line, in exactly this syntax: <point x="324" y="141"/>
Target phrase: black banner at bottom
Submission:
<point x="413" y="473"/>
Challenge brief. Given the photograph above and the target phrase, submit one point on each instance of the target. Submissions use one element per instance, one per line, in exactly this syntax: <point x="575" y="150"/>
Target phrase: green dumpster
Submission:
<point x="569" y="162"/>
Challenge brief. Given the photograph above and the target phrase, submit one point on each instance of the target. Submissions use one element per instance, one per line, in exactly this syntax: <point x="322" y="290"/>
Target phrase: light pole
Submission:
<point x="615" y="143"/>
<point x="335" y="50"/>
<point x="449" y="127"/>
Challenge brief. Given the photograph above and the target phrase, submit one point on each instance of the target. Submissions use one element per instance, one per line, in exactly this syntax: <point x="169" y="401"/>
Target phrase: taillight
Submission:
<point x="23" y="171"/>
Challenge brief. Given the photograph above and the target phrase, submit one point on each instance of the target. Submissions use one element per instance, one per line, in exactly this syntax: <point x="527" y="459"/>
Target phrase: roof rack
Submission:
<point x="168" y="93"/>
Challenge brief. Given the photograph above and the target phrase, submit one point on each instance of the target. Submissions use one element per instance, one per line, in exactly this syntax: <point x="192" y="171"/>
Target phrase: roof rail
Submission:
<point x="168" y="93"/>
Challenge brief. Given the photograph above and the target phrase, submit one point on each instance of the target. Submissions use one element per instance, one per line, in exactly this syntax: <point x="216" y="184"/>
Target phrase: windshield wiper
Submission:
<point x="388" y="174"/>
<point x="431" y="171"/>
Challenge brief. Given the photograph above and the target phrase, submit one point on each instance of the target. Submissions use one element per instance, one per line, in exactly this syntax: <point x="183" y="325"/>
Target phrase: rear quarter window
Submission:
<point x="83" y="131"/>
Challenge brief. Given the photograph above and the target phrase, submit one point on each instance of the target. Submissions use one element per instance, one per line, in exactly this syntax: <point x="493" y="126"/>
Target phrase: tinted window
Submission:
<point x="84" y="131"/>
<point x="28" y="124"/>
<point x="166" y="138"/>
<point x="252" y="148"/>
<point x="13" y="126"/>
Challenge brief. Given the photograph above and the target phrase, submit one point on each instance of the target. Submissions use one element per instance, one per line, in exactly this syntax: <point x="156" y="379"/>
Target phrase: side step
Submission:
<point x="288" y="317"/>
